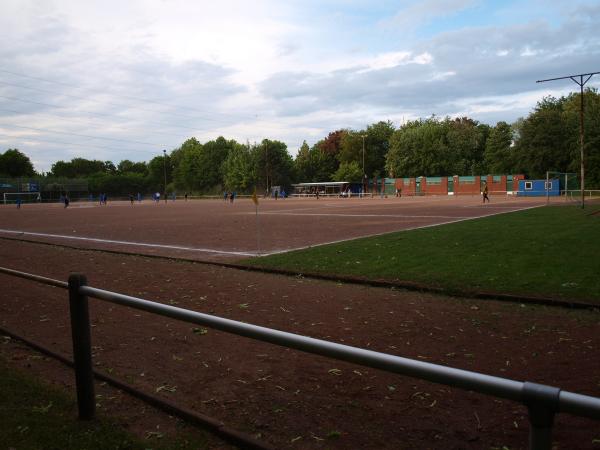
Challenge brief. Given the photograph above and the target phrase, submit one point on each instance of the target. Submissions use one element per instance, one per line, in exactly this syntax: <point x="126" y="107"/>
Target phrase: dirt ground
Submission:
<point x="217" y="230"/>
<point x="289" y="399"/>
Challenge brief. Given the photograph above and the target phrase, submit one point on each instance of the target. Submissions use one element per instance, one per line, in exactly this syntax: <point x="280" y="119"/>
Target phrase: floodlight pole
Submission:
<point x="165" y="171"/>
<point x="267" y="167"/>
<point x="581" y="82"/>
<point x="363" y="136"/>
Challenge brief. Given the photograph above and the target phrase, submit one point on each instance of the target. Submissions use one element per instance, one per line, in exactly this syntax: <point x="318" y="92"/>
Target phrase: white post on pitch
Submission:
<point x="547" y="186"/>
<point x="257" y="229"/>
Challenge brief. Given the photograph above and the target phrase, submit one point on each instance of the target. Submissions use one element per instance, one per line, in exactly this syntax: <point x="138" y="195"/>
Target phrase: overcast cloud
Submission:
<point x="116" y="80"/>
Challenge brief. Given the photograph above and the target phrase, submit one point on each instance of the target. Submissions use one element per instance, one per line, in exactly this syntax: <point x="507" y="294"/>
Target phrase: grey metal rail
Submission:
<point x="39" y="279"/>
<point x="542" y="401"/>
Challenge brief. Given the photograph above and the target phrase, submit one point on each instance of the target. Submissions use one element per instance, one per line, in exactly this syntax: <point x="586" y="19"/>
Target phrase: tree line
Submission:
<point x="548" y="139"/>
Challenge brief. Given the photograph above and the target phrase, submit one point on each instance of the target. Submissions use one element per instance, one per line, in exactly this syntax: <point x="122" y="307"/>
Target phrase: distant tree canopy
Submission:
<point x="80" y="168"/>
<point x="547" y="139"/>
<point x="15" y="164"/>
<point x="434" y="147"/>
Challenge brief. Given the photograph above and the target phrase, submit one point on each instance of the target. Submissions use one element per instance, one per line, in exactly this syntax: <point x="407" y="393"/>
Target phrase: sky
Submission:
<point x="114" y="80"/>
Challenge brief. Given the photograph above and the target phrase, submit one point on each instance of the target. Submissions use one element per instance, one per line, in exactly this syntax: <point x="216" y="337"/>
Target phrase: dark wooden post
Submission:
<point x="82" y="348"/>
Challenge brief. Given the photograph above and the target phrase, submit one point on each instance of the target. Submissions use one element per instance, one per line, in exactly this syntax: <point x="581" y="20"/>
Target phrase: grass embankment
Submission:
<point x="34" y="416"/>
<point x="549" y="251"/>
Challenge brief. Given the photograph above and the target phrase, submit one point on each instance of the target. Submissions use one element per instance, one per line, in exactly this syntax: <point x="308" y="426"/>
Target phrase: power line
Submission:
<point x="79" y="119"/>
<point x="104" y="114"/>
<point x="86" y="135"/>
<point x="120" y="95"/>
<point x="581" y="82"/>
<point x="79" y="97"/>
<point x="79" y="145"/>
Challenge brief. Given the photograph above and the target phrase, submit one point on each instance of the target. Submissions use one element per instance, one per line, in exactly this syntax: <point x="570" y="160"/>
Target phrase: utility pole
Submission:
<point x="581" y="82"/>
<point x="267" y="166"/>
<point x="363" y="136"/>
<point x="165" y="171"/>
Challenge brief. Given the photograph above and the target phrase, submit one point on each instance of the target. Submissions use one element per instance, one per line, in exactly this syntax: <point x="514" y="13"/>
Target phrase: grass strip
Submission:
<point x="551" y="251"/>
<point x="34" y="415"/>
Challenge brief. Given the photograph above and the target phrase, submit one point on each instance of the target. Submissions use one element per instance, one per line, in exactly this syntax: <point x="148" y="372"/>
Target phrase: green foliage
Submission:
<point x="80" y="168"/>
<point x="212" y="156"/>
<point x="498" y="153"/>
<point x="127" y="166"/>
<point x="273" y="165"/>
<point x="377" y="144"/>
<point x="314" y="164"/>
<point x="239" y="170"/>
<point x="349" y="171"/>
<point x="434" y="147"/>
<point x="187" y="173"/>
<point x="156" y="172"/>
<point x="543" y="135"/>
<point x="557" y="250"/>
<point x="418" y="149"/>
<point x="15" y="164"/>
<point x="118" y="184"/>
<point x="548" y="139"/>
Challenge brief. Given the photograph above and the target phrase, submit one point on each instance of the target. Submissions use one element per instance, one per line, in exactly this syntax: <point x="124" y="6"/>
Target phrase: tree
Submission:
<point x="466" y="140"/>
<point x="155" y="179"/>
<point x="15" y="164"/>
<point x="498" y="156"/>
<point x="419" y="148"/>
<point x="304" y="164"/>
<point x="186" y="174"/>
<point x="212" y="155"/>
<point x="543" y="137"/>
<point x="118" y="184"/>
<point x="79" y="168"/>
<point x="591" y="100"/>
<point x="314" y="164"/>
<point x="239" y="169"/>
<point x="377" y="145"/>
<point x="548" y="139"/>
<point x="273" y="165"/>
<point x="349" y="171"/>
<point x="127" y="166"/>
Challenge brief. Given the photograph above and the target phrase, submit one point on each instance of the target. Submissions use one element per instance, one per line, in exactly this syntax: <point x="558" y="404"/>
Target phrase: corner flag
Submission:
<point x="254" y="197"/>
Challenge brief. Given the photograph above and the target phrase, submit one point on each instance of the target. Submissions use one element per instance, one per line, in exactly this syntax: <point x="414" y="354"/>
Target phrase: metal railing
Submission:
<point x="542" y="401"/>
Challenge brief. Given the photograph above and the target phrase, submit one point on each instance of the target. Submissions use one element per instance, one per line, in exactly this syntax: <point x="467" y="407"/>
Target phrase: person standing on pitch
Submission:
<point x="18" y="202"/>
<point x="485" y="192"/>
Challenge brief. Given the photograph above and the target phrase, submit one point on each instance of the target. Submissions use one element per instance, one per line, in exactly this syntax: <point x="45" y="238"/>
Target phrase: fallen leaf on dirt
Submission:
<point x="335" y="371"/>
<point x="166" y="387"/>
<point x="199" y="330"/>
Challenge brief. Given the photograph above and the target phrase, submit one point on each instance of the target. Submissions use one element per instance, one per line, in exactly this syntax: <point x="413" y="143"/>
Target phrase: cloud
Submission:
<point x="423" y="12"/>
<point x="161" y="72"/>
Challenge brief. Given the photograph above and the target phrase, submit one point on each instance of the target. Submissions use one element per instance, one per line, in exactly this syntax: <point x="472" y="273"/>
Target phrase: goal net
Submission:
<point x="25" y="197"/>
<point x="568" y="183"/>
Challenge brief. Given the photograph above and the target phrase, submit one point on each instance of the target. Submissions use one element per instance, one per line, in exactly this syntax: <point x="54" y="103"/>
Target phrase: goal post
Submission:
<point x="26" y="197"/>
<point x="568" y="182"/>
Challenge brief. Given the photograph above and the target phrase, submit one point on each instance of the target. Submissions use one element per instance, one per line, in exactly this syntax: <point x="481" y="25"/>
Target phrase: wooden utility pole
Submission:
<point x="581" y="82"/>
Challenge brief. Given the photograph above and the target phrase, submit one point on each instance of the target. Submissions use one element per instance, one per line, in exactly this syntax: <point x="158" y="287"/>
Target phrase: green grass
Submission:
<point x="550" y="251"/>
<point x="35" y="416"/>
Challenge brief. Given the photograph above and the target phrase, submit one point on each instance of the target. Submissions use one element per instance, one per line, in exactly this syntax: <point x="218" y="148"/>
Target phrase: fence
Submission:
<point x="542" y="401"/>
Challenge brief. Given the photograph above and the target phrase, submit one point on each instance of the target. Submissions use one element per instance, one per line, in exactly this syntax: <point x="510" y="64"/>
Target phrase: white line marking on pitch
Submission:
<point x="276" y="252"/>
<point x="138" y="244"/>
<point x="402" y="216"/>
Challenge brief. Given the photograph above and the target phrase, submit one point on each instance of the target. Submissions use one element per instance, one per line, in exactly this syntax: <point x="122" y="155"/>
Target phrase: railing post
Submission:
<point x="542" y="402"/>
<point x="82" y="348"/>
